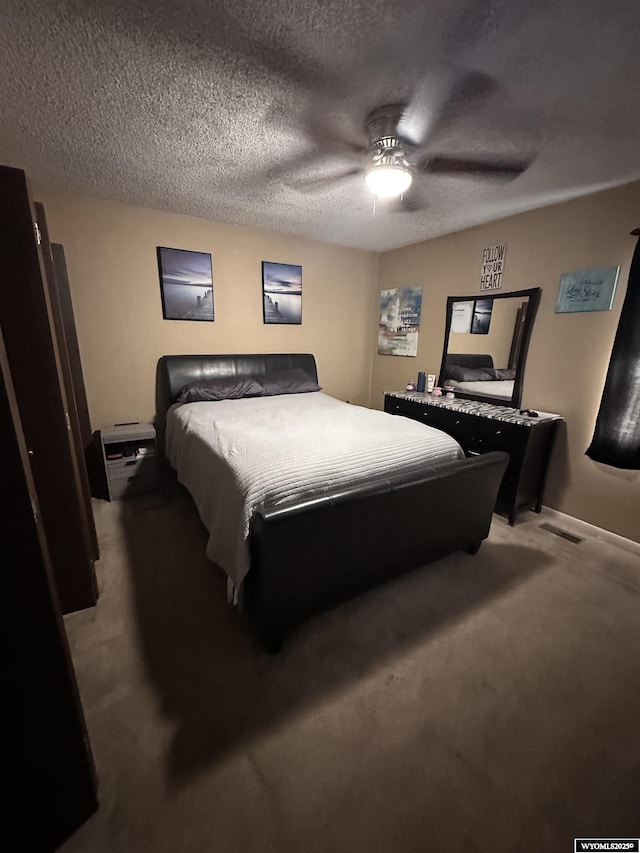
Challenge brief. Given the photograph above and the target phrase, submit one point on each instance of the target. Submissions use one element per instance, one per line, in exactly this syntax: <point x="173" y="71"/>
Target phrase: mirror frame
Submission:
<point x="534" y="294"/>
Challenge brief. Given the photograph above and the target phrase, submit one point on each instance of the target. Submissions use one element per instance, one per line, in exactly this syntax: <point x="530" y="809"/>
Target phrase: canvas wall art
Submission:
<point x="399" y="321"/>
<point x="587" y="290"/>
<point x="282" y="293"/>
<point x="186" y="284"/>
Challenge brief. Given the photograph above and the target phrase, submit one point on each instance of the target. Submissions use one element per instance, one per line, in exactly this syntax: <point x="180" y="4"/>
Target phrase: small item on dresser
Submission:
<point x="449" y="392"/>
<point x="436" y="392"/>
<point x="422" y="381"/>
<point x="431" y="381"/>
<point x="411" y="386"/>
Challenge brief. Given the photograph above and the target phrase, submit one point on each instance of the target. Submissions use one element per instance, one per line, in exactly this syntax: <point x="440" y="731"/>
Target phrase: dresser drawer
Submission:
<point x="488" y="435"/>
<point x="459" y="425"/>
<point x="133" y="484"/>
<point x="466" y="429"/>
<point x="125" y="466"/>
<point x="394" y="406"/>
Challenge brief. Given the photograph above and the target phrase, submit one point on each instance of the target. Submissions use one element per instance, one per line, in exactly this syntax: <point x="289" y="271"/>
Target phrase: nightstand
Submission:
<point x="129" y="454"/>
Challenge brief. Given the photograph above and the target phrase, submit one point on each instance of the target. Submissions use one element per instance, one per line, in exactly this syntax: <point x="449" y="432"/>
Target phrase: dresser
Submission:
<point x="481" y="427"/>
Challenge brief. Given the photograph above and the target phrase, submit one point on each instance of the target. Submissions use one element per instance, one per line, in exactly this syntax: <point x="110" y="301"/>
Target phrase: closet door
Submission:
<point x="56" y="280"/>
<point x="27" y="324"/>
<point x="46" y="771"/>
<point x="61" y="280"/>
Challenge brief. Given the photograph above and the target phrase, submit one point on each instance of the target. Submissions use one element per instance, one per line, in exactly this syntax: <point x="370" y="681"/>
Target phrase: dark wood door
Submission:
<point x="28" y="326"/>
<point x="47" y="773"/>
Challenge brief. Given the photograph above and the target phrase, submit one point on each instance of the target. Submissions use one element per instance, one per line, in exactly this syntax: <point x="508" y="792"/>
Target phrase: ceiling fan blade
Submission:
<point x="323" y="183"/>
<point x="445" y="92"/>
<point x="300" y="164"/>
<point x="410" y="202"/>
<point x="331" y="132"/>
<point x="412" y="40"/>
<point x="469" y="166"/>
<point x="425" y="109"/>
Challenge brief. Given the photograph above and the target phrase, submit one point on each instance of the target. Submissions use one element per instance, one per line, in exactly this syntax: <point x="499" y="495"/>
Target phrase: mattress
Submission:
<point x="237" y="455"/>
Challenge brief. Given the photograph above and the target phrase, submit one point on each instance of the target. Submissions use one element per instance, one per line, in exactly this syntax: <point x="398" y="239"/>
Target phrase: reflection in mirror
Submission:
<point x="485" y="345"/>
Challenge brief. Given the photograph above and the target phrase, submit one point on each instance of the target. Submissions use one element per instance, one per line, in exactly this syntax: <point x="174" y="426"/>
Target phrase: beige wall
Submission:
<point x="110" y="250"/>
<point x="569" y="353"/>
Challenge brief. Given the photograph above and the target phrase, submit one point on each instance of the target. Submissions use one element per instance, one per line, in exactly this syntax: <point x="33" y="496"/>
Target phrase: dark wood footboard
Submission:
<point x="311" y="554"/>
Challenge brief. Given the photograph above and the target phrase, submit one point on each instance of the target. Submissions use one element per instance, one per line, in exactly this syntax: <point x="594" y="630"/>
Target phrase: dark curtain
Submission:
<point x="616" y="440"/>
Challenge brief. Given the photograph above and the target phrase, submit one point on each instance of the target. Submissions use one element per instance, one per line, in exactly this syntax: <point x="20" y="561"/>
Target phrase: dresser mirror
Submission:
<point x="485" y="345"/>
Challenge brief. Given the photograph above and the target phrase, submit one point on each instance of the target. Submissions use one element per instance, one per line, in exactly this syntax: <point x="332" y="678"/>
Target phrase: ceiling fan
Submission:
<point x="398" y="150"/>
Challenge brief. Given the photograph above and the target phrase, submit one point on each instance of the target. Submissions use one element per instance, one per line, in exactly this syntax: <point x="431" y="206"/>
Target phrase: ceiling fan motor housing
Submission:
<point x="382" y="123"/>
<point x="389" y="175"/>
<point x="385" y="145"/>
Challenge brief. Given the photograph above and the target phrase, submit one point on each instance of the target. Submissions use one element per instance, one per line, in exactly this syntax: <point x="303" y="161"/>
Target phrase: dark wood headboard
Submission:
<point x="175" y="371"/>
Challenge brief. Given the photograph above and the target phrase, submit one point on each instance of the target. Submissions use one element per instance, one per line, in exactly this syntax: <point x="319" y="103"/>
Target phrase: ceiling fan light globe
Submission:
<point x="388" y="181"/>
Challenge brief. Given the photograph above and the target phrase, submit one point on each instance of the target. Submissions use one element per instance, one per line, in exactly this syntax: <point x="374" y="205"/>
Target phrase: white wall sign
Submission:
<point x="492" y="266"/>
<point x="461" y="317"/>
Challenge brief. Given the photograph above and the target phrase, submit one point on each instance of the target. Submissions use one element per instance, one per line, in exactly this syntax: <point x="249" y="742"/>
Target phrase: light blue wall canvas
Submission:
<point x="399" y="321"/>
<point x="587" y="290"/>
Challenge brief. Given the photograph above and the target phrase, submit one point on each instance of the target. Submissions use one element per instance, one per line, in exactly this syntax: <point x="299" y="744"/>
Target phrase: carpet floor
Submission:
<point x="485" y="703"/>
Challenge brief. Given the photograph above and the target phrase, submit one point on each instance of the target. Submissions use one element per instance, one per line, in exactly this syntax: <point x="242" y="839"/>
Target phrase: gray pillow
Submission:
<point x="223" y="388"/>
<point x="469" y="374"/>
<point x="294" y="381"/>
<point x="504" y="372"/>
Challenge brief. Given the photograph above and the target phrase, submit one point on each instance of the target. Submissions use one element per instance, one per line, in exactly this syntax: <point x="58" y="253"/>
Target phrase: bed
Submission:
<point x="309" y="500"/>
<point x="474" y="373"/>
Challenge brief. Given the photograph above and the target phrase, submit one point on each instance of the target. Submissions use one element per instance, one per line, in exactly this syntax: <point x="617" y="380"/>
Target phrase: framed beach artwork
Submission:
<point x="587" y="290"/>
<point x="481" y="319"/>
<point x="186" y="284"/>
<point x="281" y="293"/>
<point x="399" y="321"/>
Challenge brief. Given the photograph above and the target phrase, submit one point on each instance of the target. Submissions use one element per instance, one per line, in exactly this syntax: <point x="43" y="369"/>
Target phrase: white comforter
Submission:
<point x="235" y="455"/>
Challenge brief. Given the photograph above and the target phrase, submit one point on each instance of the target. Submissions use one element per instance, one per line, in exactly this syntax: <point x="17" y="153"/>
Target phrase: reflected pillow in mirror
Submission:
<point x="294" y="381"/>
<point x="504" y="372"/>
<point x="469" y="374"/>
<point x="222" y="388"/>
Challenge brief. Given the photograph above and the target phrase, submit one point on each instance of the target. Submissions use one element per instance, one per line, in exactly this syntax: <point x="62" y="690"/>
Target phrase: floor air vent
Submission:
<point x="563" y="534"/>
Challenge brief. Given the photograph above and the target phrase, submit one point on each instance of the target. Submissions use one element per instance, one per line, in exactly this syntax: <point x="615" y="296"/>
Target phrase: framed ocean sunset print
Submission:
<point x="281" y="293"/>
<point x="186" y="284"/>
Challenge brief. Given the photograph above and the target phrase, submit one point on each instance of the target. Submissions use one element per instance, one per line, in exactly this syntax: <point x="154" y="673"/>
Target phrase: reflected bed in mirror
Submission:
<point x="485" y="345"/>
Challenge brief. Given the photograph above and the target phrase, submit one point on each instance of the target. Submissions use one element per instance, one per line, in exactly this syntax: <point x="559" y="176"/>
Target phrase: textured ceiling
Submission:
<point x="226" y="110"/>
